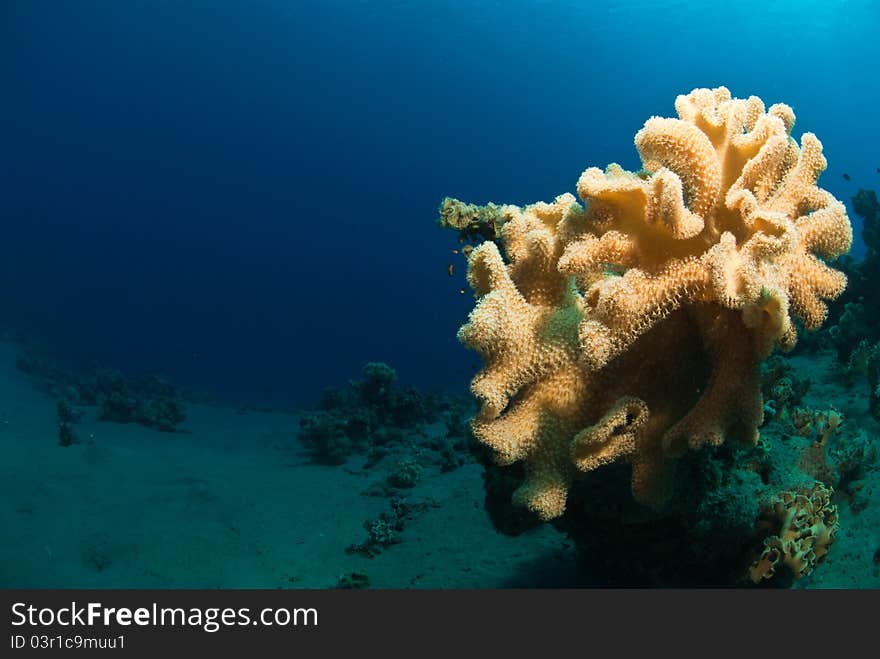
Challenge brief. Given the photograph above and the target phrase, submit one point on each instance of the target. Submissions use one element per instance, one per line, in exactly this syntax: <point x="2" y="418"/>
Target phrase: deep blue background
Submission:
<point x="242" y="195"/>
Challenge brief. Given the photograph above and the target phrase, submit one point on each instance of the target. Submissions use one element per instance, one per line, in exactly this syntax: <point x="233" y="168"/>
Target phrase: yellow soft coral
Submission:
<point x="807" y="526"/>
<point x="632" y="328"/>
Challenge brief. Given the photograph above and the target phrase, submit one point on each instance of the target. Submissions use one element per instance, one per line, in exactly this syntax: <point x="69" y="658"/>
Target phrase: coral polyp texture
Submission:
<point x="631" y="328"/>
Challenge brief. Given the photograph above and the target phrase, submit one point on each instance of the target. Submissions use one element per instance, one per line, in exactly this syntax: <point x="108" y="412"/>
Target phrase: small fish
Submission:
<point x="450" y="269"/>
<point x="846" y="177"/>
<point x="455" y="251"/>
<point x="462" y="291"/>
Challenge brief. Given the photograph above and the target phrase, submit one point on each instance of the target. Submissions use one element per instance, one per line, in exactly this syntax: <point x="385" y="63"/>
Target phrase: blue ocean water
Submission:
<point x="243" y="198"/>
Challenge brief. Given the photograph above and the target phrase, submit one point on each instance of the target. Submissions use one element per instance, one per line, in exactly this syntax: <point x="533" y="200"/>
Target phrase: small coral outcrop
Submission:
<point x="807" y="525"/>
<point x="632" y="328"/>
<point x="369" y="413"/>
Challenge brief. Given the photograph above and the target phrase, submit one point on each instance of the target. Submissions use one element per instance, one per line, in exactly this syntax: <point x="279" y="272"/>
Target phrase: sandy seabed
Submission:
<point x="234" y="501"/>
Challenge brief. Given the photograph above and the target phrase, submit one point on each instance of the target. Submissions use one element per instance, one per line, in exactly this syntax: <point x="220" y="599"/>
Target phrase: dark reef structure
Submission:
<point x="374" y="413"/>
<point x="384" y="531"/>
<point x="149" y="400"/>
<point x="68" y="417"/>
<point x="406" y="434"/>
<point x="764" y="516"/>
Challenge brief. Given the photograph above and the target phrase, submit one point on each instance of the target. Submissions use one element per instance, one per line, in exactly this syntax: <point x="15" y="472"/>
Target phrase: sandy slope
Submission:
<point x="233" y="502"/>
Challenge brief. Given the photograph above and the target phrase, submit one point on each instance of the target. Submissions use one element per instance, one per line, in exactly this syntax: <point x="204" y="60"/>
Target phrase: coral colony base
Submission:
<point x="632" y="329"/>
